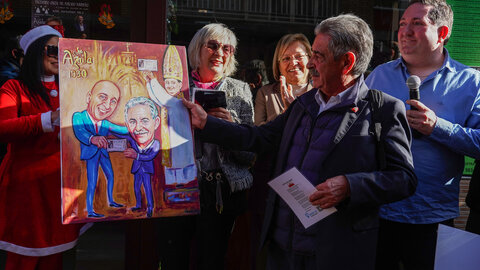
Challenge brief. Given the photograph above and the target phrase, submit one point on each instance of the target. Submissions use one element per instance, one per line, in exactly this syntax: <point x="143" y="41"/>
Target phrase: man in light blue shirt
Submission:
<point x="448" y="119"/>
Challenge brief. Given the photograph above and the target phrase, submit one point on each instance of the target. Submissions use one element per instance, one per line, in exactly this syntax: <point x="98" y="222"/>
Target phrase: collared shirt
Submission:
<point x="143" y="150"/>
<point x="96" y="124"/>
<point x="452" y="92"/>
<point x="335" y="100"/>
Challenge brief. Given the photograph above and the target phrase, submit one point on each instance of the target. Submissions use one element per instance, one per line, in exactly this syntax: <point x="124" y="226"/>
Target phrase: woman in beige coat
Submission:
<point x="291" y="74"/>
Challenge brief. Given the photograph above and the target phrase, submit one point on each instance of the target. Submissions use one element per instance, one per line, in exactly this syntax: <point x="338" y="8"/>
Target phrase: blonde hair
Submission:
<point x="282" y="46"/>
<point x="213" y="31"/>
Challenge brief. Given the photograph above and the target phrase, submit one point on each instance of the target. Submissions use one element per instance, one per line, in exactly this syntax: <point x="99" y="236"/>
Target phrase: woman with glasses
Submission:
<point x="31" y="229"/>
<point x="223" y="175"/>
<point x="291" y="74"/>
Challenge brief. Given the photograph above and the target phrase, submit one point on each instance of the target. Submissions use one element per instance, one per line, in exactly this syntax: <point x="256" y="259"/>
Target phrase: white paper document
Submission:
<point x="295" y="189"/>
<point x="457" y="249"/>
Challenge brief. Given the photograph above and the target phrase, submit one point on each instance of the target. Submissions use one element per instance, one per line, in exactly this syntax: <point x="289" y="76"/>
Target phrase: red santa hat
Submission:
<point x="35" y="34"/>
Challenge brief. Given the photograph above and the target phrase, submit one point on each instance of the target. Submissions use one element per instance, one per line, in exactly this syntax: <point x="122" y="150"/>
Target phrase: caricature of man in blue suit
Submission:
<point x="90" y="128"/>
<point x="141" y="117"/>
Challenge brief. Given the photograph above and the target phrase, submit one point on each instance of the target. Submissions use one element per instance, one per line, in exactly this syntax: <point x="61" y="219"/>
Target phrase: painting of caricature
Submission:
<point x="180" y="168"/>
<point x="126" y="139"/>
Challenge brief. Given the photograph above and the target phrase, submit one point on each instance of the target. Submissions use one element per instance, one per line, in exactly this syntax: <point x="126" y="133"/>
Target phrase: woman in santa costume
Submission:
<point x="31" y="229"/>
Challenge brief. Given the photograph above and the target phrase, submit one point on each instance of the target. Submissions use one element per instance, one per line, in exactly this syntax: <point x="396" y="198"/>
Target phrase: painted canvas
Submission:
<point x="126" y="138"/>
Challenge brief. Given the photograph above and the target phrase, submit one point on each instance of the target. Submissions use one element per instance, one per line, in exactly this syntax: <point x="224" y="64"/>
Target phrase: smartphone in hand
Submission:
<point x="209" y="99"/>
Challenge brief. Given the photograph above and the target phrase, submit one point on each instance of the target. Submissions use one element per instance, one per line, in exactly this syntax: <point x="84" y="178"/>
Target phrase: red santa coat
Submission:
<point x="30" y="200"/>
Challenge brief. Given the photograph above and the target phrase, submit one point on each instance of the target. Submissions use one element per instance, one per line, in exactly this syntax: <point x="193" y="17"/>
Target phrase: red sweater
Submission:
<point x="30" y="200"/>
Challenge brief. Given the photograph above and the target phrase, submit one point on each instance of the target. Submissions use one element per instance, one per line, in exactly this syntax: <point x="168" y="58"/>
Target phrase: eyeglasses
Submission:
<point x="51" y="50"/>
<point x="213" y="46"/>
<point x="298" y="57"/>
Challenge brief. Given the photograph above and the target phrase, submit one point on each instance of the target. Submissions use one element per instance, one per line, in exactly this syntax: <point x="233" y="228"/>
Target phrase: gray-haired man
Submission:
<point x="327" y="133"/>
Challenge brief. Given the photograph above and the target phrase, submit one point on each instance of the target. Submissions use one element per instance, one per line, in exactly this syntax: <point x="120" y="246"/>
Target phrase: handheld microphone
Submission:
<point x="413" y="83"/>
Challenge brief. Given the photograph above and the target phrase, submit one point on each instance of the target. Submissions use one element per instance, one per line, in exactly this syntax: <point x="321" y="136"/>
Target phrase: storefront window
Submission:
<point x="98" y="19"/>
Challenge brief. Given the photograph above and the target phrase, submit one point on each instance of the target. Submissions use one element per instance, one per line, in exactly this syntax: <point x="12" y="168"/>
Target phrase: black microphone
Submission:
<point x="413" y="83"/>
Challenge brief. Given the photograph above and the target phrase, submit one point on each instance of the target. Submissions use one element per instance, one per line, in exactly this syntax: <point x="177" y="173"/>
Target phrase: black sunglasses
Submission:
<point x="51" y="50"/>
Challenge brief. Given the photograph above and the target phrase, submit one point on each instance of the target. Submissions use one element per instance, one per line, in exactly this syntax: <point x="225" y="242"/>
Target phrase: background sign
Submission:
<point x="43" y="9"/>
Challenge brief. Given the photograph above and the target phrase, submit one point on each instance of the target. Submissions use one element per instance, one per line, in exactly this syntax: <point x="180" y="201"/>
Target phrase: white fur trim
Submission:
<point x="38" y="252"/>
<point x="35" y="34"/>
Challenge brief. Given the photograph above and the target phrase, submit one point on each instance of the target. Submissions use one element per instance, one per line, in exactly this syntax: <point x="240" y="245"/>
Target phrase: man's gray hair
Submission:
<point x="349" y="33"/>
<point x="440" y="14"/>
<point x="141" y="101"/>
<point x="213" y="31"/>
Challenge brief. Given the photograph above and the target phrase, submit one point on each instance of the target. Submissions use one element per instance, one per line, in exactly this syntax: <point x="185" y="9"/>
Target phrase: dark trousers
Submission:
<point x="410" y="245"/>
<point x="210" y="231"/>
<point x="473" y="221"/>
<point x="279" y="259"/>
<point x="473" y="201"/>
<point x="175" y="236"/>
<point x="143" y="178"/>
<point x="214" y="228"/>
<point x="213" y="232"/>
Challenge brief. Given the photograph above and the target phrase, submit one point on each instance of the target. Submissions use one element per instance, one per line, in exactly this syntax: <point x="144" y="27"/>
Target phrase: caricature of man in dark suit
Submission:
<point x="141" y="118"/>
